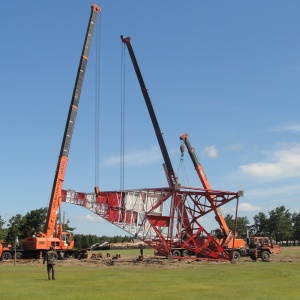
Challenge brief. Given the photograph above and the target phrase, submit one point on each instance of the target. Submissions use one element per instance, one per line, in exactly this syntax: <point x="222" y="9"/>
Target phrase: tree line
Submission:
<point x="280" y="224"/>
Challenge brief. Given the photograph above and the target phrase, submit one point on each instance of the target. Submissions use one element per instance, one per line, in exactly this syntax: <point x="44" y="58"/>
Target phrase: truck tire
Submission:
<point x="265" y="256"/>
<point x="18" y="255"/>
<point x="71" y="255"/>
<point x="76" y="255"/>
<point x="185" y="253"/>
<point x="253" y="257"/>
<point x="6" y="256"/>
<point x="176" y="253"/>
<point x="236" y="256"/>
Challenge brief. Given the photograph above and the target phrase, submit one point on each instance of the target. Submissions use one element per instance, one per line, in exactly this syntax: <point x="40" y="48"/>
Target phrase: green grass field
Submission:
<point x="250" y="280"/>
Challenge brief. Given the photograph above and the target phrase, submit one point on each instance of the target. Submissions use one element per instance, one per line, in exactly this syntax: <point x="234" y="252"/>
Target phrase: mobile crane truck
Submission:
<point x="63" y="242"/>
<point x="255" y="247"/>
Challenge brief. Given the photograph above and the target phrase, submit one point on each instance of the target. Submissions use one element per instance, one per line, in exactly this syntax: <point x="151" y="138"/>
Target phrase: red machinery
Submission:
<point x="257" y="247"/>
<point x="53" y="235"/>
<point x="223" y="235"/>
<point x="167" y="219"/>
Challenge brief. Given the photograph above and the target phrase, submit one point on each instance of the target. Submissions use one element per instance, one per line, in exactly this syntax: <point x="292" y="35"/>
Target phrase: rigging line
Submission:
<point x="97" y="102"/>
<point x="182" y="169"/>
<point x="122" y="143"/>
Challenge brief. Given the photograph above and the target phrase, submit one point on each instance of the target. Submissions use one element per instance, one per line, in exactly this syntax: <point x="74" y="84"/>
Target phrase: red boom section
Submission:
<point x="150" y="215"/>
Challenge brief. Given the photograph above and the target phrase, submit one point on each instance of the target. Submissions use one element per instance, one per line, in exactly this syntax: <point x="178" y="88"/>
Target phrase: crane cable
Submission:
<point x="181" y="168"/>
<point x="122" y="143"/>
<point x="97" y="102"/>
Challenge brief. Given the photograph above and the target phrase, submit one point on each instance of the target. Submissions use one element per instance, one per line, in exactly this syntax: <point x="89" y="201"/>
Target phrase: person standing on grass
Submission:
<point x="50" y="257"/>
<point x="141" y="249"/>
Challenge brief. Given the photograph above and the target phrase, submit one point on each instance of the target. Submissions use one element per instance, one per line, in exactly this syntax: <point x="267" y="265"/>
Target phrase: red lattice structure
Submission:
<point x="166" y="219"/>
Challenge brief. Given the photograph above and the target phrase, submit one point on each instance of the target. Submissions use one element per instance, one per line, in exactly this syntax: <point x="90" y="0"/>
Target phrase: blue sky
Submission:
<point x="227" y="73"/>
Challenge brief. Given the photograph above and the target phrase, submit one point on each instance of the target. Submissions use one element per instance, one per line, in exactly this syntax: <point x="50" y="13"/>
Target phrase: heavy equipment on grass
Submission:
<point x="223" y="235"/>
<point x="53" y="235"/>
<point x="166" y="219"/>
<point x="261" y="247"/>
<point x="255" y="247"/>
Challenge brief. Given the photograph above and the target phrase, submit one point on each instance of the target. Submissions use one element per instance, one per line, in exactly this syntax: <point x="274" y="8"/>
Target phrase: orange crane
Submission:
<point x="224" y="235"/>
<point x="53" y="235"/>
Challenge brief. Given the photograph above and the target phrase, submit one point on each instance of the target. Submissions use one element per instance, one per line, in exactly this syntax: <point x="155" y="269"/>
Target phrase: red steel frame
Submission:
<point x="150" y="215"/>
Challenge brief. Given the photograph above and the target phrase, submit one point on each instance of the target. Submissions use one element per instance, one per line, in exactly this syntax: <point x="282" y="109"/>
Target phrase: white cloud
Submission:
<point x="281" y="192"/>
<point x="291" y="127"/>
<point x="211" y="151"/>
<point x="285" y="164"/>
<point x="248" y="207"/>
<point x="139" y="158"/>
<point x="89" y="218"/>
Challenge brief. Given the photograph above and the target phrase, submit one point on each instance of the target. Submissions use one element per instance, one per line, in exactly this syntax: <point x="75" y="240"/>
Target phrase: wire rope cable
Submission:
<point x="97" y="102"/>
<point x="182" y="168"/>
<point x="122" y="118"/>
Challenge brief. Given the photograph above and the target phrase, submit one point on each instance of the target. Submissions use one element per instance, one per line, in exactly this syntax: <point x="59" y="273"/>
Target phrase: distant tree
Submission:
<point x="126" y="239"/>
<point x="24" y="226"/>
<point x="77" y="240"/>
<point x="280" y="224"/>
<point x="34" y="222"/>
<point x="83" y="241"/>
<point x="14" y="228"/>
<point x="296" y="227"/>
<point x="3" y="231"/>
<point x="229" y="221"/>
<point x="260" y="226"/>
<point x="242" y="226"/>
<point x="86" y="241"/>
<point x="2" y="222"/>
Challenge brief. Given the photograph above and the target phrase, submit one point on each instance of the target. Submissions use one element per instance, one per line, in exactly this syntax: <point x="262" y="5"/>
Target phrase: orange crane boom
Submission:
<point x="226" y="236"/>
<point x="53" y="235"/>
<point x="55" y="200"/>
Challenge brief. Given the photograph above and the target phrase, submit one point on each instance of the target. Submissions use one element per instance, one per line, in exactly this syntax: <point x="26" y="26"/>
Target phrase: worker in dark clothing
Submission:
<point x="141" y="249"/>
<point x="50" y="257"/>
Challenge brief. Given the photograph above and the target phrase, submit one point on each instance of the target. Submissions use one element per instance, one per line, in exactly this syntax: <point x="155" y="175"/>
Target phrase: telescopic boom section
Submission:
<point x="169" y="168"/>
<point x="201" y="174"/>
<point x="196" y="162"/>
<point x="55" y="200"/>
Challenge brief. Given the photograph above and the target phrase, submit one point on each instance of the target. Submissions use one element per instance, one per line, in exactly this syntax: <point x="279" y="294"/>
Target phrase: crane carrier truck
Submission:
<point x="53" y="235"/>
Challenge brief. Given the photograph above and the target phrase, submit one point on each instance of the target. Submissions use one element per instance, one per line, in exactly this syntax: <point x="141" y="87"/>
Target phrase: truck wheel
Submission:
<point x="76" y="255"/>
<point x="6" y="256"/>
<point x="253" y="257"/>
<point x="66" y="255"/>
<point x="236" y="255"/>
<point x="185" y="253"/>
<point x="71" y="255"/>
<point x="18" y="255"/>
<point x="176" y="253"/>
<point x="265" y="256"/>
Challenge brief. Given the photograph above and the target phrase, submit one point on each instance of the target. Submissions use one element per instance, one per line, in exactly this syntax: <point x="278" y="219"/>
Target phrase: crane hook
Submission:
<point x="182" y="148"/>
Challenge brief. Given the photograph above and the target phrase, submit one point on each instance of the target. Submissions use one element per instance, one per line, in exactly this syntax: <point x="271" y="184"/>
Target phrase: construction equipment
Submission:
<point x="7" y="251"/>
<point x="166" y="219"/>
<point x="256" y="247"/>
<point x="53" y="235"/>
<point x="172" y="179"/>
<point x="261" y="247"/>
<point x="223" y="234"/>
